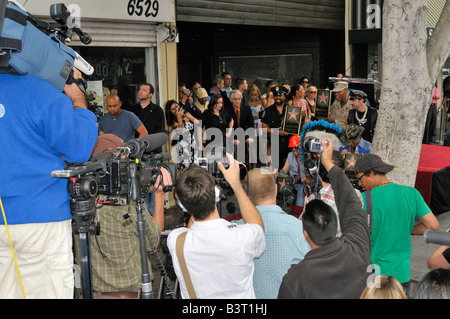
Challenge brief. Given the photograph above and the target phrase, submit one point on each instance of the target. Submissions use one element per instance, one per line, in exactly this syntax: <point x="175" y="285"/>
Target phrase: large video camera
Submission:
<point x="29" y="46"/>
<point x="121" y="176"/>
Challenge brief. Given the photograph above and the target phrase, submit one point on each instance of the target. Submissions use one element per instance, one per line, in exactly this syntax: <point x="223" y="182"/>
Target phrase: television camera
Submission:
<point x="29" y="46"/>
<point x="124" y="175"/>
<point x="120" y="177"/>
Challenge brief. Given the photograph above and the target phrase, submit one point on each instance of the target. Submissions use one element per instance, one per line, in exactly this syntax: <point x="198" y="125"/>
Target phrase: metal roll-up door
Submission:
<point x="118" y="34"/>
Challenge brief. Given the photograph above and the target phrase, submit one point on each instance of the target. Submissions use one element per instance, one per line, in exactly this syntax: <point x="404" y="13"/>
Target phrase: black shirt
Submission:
<point x="152" y="116"/>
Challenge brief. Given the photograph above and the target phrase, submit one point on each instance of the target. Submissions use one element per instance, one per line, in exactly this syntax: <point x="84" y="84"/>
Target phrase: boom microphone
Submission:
<point x="436" y="237"/>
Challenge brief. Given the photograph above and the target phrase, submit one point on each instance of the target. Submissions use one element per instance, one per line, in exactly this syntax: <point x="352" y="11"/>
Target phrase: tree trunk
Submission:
<point x="407" y="84"/>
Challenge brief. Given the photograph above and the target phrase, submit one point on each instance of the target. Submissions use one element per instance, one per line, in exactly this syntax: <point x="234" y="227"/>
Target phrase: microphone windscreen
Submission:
<point x="436" y="237"/>
<point x="155" y="141"/>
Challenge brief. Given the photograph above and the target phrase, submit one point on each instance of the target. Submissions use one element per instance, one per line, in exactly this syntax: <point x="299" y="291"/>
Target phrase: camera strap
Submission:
<point x="11" y="40"/>
<point x="180" y="254"/>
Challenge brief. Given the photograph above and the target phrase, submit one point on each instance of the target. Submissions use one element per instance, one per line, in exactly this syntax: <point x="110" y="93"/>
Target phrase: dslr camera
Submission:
<point x="313" y="145"/>
<point x="216" y="155"/>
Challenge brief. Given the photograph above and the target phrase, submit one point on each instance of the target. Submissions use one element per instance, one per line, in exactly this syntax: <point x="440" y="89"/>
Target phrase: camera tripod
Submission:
<point x="83" y="211"/>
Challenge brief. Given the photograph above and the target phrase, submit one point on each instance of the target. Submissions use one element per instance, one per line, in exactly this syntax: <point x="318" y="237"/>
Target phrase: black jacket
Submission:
<point x="339" y="269"/>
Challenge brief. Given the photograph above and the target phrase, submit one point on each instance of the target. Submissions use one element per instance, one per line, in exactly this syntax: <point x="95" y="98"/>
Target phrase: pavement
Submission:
<point x="419" y="256"/>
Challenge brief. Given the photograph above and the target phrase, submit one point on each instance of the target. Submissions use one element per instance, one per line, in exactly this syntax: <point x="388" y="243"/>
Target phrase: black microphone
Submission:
<point x="146" y="144"/>
<point x="436" y="237"/>
<point x="154" y="141"/>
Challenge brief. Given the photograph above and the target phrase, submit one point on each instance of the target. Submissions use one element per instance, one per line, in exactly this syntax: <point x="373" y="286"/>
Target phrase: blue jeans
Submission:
<point x="150" y="202"/>
<point x="300" y="195"/>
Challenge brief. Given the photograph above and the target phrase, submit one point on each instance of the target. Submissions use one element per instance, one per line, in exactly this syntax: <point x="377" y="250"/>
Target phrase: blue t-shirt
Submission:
<point x="285" y="246"/>
<point x="123" y="125"/>
<point x="39" y="127"/>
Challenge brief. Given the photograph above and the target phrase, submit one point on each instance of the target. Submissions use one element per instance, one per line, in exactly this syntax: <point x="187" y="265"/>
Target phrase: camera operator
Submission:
<point x="115" y="254"/>
<point x="219" y="255"/>
<point x="44" y="127"/>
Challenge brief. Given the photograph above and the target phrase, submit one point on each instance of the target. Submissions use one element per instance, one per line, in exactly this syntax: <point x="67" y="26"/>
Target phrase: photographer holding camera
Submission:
<point x="218" y="256"/>
<point x="335" y="267"/>
<point x="44" y="127"/>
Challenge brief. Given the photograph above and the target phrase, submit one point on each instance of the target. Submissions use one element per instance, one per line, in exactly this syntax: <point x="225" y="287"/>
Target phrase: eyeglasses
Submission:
<point x="358" y="179"/>
<point x="312" y="92"/>
<point x="305" y="81"/>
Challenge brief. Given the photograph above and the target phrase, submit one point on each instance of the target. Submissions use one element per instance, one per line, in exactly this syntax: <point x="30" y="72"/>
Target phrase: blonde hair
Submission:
<point x="255" y="89"/>
<point x="311" y="88"/>
<point x="383" y="287"/>
<point x="261" y="185"/>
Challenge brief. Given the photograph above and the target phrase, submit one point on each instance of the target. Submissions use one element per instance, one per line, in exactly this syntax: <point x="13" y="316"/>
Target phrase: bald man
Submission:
<point x="121" y="123"/>
<point x="285" y="242"/>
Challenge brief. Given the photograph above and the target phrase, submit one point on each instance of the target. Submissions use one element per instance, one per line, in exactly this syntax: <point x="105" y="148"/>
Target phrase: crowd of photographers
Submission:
<point x="343" y="243"/>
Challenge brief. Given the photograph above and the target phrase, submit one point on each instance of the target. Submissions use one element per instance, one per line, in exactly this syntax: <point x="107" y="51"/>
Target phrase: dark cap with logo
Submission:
<point x="372" y="162"/>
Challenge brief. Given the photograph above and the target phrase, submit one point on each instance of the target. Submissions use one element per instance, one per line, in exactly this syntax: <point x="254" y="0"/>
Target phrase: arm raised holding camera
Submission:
<point x="249" y="212"/>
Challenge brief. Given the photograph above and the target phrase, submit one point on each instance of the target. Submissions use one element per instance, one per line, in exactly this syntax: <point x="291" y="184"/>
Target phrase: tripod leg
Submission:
<point x="85" y="265"/>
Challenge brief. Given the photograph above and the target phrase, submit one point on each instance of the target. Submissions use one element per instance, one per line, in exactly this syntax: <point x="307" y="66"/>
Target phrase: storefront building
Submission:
<point x="260" y="40"/>
<point x="133" y="42"/>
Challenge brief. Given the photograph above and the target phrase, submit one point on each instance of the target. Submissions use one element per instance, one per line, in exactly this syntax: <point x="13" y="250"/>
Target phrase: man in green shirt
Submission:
<point x="392" y="213"/>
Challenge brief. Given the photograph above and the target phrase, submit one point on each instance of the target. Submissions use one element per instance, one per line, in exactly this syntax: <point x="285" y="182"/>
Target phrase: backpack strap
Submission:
<point x="369" y="209"/>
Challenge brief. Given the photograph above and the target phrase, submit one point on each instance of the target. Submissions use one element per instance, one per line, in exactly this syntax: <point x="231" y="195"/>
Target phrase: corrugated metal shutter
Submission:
<point x="320" y="14"/>
<point x="435" y="8"/>
<point x="118" y="34"/>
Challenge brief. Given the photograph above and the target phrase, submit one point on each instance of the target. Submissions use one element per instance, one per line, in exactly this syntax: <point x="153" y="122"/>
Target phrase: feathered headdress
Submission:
<point x="321" y="129"/>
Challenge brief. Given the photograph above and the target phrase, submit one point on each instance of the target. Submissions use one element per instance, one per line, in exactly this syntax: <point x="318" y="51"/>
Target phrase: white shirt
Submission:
<point x="219" y="256"/>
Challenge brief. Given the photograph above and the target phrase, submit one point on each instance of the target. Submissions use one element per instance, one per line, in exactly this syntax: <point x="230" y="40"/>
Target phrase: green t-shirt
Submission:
<point x="394" y="211"/>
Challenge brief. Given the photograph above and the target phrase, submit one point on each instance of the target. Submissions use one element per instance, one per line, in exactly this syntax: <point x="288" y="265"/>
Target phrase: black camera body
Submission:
<point x="214" y="156"/>
<point x="117" y="176"/>
<point x="313" y="145"/>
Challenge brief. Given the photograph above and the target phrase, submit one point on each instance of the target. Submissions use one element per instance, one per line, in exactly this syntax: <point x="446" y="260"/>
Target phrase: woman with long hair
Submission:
<point x="216" y="117"/>
<point x="182" y="131"/>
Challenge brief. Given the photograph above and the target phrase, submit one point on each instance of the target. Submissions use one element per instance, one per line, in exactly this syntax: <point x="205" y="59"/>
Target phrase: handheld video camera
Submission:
<point x="29" y="46"/>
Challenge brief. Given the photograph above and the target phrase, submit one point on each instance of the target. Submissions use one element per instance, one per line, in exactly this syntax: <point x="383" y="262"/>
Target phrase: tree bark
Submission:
<point x="410" y="68"/>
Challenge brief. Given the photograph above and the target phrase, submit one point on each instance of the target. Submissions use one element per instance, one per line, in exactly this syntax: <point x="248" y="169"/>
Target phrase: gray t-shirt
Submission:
<point x="124" y="125"/>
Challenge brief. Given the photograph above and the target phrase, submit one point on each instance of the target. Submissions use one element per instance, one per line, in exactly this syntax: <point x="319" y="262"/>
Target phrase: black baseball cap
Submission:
<point x="372" y="162"/>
